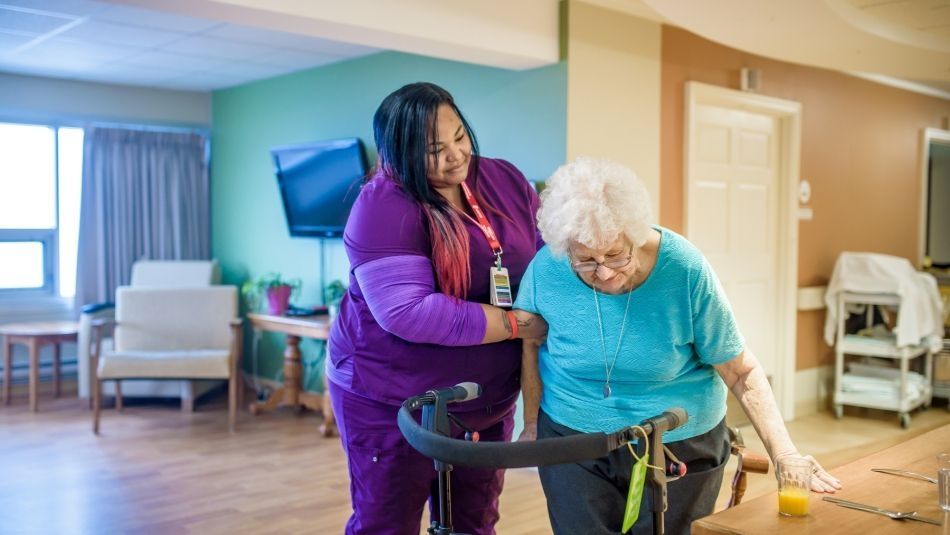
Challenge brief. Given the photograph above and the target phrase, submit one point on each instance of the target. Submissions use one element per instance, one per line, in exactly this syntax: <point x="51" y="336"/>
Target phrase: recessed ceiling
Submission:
<point x="102" y="42"/>
<point x="907" y="40"/>
<point x="212" y="44"/>
<point x="923" y="23"/>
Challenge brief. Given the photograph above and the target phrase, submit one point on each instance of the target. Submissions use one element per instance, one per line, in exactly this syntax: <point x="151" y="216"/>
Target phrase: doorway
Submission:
<point x="742" y="172"/>
<point x="934" y="241"/>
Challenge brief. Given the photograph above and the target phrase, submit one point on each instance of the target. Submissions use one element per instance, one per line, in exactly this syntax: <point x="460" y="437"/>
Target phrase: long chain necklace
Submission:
<point x="603" y="344"/>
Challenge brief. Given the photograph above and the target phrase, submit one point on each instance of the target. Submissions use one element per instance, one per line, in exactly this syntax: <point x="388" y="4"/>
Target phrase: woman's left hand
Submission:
<point x="821" y="480"/>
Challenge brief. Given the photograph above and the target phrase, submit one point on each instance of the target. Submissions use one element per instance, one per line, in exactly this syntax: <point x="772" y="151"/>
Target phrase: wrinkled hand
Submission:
<point x="821" y="480"/>
<point x="529" y="433"/>
<point x="531" y="326"/>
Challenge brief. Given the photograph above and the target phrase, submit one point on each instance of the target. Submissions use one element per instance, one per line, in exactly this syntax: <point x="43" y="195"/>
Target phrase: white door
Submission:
<point x="733" y="183"/>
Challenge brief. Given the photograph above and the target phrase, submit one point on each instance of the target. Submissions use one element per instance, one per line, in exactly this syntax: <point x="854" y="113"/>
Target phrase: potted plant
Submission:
<point x="275" y="288"/>
<point x="332" y="295"/>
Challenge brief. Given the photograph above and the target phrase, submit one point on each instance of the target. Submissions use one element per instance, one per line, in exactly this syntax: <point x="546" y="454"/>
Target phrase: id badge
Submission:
<point x="500" y="287"/>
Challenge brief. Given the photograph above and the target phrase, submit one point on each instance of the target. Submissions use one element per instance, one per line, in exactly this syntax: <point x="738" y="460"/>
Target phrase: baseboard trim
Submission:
<point x="813" y="388"/>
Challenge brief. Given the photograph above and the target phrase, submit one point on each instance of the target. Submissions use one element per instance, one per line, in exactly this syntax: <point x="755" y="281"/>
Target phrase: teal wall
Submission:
<point x="516" y="115"/>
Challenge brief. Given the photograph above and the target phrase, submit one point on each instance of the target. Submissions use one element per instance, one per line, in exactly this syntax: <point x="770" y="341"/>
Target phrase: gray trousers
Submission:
<point x="589" y="497"/>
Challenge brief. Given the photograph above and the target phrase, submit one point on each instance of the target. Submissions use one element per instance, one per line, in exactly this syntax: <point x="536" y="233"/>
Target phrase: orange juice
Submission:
<point x="793" y="502"/>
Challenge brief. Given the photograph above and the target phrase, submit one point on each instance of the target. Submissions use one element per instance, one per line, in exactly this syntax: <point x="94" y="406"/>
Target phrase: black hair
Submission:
<point x="401" y="128"/>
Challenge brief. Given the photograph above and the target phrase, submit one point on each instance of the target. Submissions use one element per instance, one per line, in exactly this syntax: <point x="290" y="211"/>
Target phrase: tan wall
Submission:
<point x="613" y="90"/>
<point x="859" y="151"/>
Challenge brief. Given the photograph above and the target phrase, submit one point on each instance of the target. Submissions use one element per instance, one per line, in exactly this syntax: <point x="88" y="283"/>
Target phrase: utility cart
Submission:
<point x="873" y="371"/>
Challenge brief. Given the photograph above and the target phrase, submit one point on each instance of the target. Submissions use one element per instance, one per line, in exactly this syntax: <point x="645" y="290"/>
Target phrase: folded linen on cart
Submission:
<point x="920" y="319"/>
<point x="882" y="382"/>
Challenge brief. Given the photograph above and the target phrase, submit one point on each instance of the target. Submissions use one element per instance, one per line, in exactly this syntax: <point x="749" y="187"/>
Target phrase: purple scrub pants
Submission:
<point x="390" y="482"/>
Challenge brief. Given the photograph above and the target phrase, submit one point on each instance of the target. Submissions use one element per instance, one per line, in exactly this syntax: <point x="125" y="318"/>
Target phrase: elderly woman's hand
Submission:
<point x="530" y="326"/>
<point x="821" y="480"/>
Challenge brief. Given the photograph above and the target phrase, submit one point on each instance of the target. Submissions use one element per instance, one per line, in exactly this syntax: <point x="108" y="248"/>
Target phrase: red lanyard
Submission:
<point x="482" y="222"/>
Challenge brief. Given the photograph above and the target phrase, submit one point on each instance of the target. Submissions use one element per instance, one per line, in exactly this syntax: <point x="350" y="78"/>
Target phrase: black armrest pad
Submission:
<point x="96" y="307"/>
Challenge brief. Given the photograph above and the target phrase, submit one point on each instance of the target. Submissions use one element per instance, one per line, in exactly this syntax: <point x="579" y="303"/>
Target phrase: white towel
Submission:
<point x="920" y="319"/>
<point x="882" y="382"/>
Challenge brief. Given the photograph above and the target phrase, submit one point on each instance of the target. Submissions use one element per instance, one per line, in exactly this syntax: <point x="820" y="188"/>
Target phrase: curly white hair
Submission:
<point x="593" y="201"/>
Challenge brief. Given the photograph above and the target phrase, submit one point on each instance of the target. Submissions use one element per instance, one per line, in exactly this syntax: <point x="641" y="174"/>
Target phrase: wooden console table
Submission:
<point x="291" y="393"/>
<point x="861" y="485"/>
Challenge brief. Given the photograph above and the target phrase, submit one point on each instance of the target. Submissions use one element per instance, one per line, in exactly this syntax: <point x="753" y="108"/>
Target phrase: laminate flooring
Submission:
<point x="158" y="470"/>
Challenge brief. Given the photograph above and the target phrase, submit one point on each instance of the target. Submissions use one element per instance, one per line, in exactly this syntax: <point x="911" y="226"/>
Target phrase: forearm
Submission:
<point x="746" y="379"/>
<point x="755" y="395"/>
<point x="530" y="380"/>
<point x="751" y="388"/>
<point x="498" y="324"/>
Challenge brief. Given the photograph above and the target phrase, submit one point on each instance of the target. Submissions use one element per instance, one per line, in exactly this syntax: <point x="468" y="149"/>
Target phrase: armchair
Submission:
<point x="169" y="333"/>
<point x="147" y="274"/>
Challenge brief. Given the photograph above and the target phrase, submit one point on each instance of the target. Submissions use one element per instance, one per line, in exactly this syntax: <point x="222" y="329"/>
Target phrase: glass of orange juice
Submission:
<point x="794" y="485"/>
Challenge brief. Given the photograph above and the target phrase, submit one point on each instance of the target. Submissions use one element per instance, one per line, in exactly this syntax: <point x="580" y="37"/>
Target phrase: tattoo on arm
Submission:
<point x="504" y="319"/>
<point x="524" y="322"/>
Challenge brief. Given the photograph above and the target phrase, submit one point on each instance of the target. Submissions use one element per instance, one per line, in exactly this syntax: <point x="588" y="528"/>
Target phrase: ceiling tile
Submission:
<point x="219" y="48"/>
<point x="155" y="19"/>
<point x="9" y="41"/>
<point x="288" y="57"/>
<point x="120" y="34"/>
<point x="126" y="74"/>
<point x="35" y="69"/>
<point x="65" y="7"/>
<point x="31" y="22"/>
<point x="249" y="70"/>
<point x="48" y="64"/>
<point x="77" y="53"/>
<point x="287" y="40"/>
<point x="207" y="81"/>
<point x="169" y="60"/>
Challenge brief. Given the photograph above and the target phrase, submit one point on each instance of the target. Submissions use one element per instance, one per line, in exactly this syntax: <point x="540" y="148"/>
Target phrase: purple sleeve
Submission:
<point x="400" y="293"/>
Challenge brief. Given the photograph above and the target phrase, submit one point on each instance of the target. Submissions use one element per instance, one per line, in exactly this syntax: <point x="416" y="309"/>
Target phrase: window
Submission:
<point x="40" y="182"/>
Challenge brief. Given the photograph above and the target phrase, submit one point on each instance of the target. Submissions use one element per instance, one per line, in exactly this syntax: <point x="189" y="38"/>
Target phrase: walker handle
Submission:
<point x="542" y="452"/>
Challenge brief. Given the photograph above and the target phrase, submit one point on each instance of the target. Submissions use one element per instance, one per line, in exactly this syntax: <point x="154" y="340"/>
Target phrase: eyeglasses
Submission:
<point x="611" y="263"/>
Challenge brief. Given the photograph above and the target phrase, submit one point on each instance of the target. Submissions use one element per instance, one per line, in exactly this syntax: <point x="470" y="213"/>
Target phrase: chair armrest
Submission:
<point x="103" y="322"/>
<point x="754" y="463"/>
<point x="97" y="307"/>
<point x="98" y="325"/>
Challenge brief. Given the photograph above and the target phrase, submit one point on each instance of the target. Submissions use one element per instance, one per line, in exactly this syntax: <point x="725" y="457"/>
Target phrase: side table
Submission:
<point x="291" y="393"/>
<point x="34" y="336"/>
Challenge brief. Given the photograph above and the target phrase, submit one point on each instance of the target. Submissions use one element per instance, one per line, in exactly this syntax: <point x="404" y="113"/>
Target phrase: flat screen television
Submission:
<point x="318" y="183"/>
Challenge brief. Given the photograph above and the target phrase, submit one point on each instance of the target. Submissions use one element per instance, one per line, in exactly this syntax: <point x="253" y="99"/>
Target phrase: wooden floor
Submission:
<point x="155" y="469"/>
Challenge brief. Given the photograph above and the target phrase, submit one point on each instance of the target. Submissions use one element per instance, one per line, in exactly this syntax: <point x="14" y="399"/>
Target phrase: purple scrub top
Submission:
<point x="386" y="221"/>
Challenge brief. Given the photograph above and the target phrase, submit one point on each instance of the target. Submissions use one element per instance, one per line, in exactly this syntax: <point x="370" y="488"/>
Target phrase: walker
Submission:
<point x="432" y="439"/>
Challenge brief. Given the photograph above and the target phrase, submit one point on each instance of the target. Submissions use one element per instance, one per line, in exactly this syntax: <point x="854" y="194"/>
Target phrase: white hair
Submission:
<point x="592" y="202"/>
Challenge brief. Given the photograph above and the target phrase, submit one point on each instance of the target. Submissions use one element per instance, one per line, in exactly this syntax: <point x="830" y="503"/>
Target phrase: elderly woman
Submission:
<point x="638" y="323"/>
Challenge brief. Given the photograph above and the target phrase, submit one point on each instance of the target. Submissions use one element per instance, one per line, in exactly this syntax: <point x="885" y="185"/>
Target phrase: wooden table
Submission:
<point x="860" y="485"/>
<point x="291" y="393"/>
<point x="34" y="336"/>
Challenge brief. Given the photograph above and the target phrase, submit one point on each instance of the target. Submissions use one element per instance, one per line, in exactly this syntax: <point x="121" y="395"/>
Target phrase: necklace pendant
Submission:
<point x="606" y="390"/>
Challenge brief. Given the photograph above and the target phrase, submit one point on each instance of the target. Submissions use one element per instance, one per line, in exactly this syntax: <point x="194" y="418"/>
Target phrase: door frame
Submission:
<point x="789" y="118"/>
<point x="927" y="136"/>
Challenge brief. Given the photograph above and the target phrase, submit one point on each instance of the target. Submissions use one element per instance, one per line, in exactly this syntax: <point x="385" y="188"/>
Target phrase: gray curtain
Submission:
<point x="145" y="195"/>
